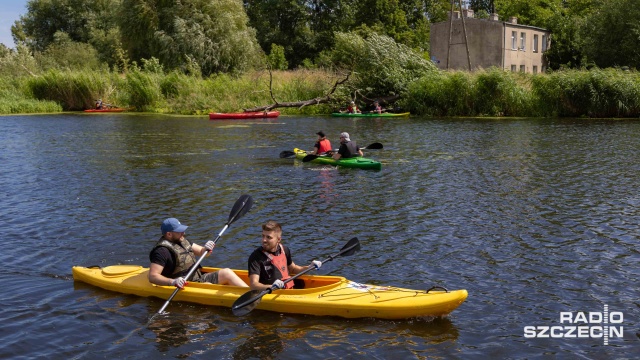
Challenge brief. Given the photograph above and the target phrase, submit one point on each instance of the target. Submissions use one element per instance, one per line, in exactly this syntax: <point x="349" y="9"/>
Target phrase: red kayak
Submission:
<point x="244" y="115"/>
<point x="106" y="110"/>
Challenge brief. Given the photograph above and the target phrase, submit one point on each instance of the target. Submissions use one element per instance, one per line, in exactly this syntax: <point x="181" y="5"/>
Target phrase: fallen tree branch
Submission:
<point x="298" y="104"/>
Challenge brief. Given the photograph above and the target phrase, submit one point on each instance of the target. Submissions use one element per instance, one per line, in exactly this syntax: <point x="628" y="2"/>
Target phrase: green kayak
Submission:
<point x="355" y="162"/>
<point x="370" y="114"/>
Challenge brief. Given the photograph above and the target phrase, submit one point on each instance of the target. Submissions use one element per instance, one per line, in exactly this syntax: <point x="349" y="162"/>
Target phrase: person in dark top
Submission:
<point x="348" y="148"/>
<point x="173" y="256"/>
<point x="271" y="263"/>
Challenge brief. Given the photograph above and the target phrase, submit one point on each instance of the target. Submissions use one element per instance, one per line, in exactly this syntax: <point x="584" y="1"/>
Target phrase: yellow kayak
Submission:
<point x="322" y="295"/>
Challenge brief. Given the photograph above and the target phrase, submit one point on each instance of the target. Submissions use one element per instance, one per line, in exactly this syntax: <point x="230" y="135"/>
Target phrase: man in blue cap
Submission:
<point x="173" y="257"/>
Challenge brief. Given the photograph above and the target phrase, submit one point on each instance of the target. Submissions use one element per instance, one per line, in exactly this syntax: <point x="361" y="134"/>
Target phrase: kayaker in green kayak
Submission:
<point x="173" y="256"/>
<point x="271" y="263"/>
<point x="377" y="108"/>
<point x="353" y="108"/>
<point x="348" y="148"/>
<point x="322" y="146"/>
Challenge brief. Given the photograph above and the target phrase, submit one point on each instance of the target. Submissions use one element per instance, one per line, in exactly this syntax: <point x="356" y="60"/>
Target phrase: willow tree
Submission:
<point x="210" y="33"/>
<point x="383" y="67"/>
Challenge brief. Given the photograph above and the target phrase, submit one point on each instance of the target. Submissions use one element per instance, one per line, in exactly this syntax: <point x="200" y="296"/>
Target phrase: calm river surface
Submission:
<point x="532" y="217"/>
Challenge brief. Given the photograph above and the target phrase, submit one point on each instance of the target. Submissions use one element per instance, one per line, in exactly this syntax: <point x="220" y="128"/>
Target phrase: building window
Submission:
<point x="514" y="40"/>
<point x="513" y="68"/>
<point x="521" y="68"/>
<point x="535" y="43"/>
<point x="523" y="40"/>
<point x="544" y="43"/>
<point x="535" y="69"/>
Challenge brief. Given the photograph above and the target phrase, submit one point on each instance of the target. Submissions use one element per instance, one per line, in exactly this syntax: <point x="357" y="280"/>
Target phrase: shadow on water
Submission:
<point x="190" y="329"/>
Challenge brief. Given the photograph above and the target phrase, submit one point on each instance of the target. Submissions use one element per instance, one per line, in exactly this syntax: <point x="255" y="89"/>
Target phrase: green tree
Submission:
<point x="613" y="22"/>
<point x="276" y="58"/>
<point x="66" y="54"/>
<point x="382" y="66"/>
<point x="84" y="21"/>
<point x="211" y="33"/>
<point x="286" y="23"/>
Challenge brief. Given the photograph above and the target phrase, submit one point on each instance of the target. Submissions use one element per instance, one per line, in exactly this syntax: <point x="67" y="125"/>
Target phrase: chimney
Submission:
<point x="468" y="13"/>
<point x="513" y="20"/>
<point x="456" y="15"/>
<point x="493" y="17"/>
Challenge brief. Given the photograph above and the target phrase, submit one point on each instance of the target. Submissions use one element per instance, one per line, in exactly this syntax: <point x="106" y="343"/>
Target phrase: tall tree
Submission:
<point x="613" y="22"/>
<point x="76" y="18"/>
<point x="83" y="21"/>
<point x="286" y="23"/>
<point x="213" y="34"/>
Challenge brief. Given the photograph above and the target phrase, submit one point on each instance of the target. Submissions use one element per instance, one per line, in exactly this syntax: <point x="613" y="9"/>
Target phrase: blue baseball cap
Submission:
<point x="172" y="224"/>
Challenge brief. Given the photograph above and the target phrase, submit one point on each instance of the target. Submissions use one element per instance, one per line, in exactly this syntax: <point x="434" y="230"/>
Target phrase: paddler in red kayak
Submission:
<point x="271" y="263"/>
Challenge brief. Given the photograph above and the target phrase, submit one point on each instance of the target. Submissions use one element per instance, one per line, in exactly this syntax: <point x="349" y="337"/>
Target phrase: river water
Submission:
<point x="534" y="217"/>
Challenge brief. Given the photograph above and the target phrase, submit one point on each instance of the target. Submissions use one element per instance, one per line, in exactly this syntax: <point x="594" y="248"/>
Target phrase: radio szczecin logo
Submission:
<point x="593" y="325"/>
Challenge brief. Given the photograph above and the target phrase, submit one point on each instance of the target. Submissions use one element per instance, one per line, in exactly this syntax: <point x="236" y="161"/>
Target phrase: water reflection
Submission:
<point x="265" y="342"/>
<point x="169" y="333"/>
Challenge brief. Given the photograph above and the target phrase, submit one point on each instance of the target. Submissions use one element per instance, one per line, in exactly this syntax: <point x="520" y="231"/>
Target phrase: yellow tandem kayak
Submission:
<point x="322" y="295"/>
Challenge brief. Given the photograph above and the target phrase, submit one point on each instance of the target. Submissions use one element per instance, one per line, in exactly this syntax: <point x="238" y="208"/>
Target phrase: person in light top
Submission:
<point x="353" y="108"/>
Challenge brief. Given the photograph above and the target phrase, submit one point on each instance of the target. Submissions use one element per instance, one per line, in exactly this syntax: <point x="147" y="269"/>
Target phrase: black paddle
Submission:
<point x="374" y="146"/>
<point x="287" y="154"/>
<point x="241" y="207"/>
<point x="249" y="300"/>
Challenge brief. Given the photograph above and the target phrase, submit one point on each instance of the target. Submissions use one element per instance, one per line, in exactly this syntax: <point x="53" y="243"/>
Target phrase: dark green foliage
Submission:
<point x="614" y="22"/>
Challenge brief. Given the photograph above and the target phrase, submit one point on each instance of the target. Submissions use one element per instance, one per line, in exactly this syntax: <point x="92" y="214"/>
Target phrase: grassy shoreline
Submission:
<point x="600" y="93"/>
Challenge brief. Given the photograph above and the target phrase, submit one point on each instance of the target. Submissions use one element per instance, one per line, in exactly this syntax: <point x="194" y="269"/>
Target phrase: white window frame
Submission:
<point x="535" y="43"/>
<point x="514" y="40"/>
<point x="523" y="41"/>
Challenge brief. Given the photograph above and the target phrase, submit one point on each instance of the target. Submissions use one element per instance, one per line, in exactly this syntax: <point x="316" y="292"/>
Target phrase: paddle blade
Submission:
<point x="247" y="302"/>
<point x="309" y="158"/>
<point x="374" y="146"/>
<point x="241" y="207"/>
<point x="350" y="248"/>
<point x="287" y="154"/>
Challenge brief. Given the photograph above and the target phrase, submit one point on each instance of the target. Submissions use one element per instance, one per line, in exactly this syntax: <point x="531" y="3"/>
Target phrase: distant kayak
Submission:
<point x="384" y="114"/>
<point x="106" y="110"/>
<point x="354" y="162"/>
<point x="244" y="115"/>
